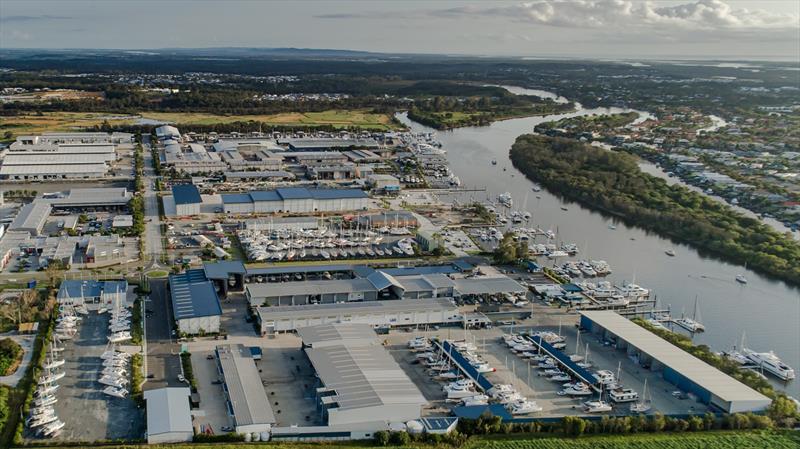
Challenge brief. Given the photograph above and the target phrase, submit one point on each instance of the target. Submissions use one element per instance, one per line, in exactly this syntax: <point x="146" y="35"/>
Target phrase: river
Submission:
<point x="768" y="311"/>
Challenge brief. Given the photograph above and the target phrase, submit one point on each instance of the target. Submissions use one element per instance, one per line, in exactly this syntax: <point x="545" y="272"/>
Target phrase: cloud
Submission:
<point x="625" y="14"/>
<point x="19" y="19"/>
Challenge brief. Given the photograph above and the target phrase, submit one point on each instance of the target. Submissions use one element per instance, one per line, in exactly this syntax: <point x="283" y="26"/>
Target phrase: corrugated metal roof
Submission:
<point x="355" y="308"/>
<point x="246" y="393"/>
<point x="193" y="295"/>
<point x="236" y="198"/>
<point x="31" y="216"/>
<point x="186" y="194"/>
<point x="487" y="286"/>
<point x="321" y="287"/>
<point x="357" y="368"/>
<point x="168" y="410"/>
<point x="704" y="375"/>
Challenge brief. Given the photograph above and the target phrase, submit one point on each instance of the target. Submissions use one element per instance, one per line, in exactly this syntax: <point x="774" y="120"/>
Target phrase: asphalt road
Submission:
<point x="163" y="361"/>
<point x="153" y="236"/>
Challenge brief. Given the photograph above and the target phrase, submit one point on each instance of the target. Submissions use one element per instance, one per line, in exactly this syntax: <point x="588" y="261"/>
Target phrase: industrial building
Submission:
<point x="295" y="200"/>
<point x="270" y="175"/>
<point x="389" y="219"/>
<point x="187" y="199"/>
<point x="281" y="223"/>
<point x="329" y="144"/>
<point x="31" y="218"/>
<point x="404" y="312"/>
<point x="92" y="294"/>
<point x="375" y="285"/>
<point x="195" y="160"/>
<point x="248" y="160"/>
<point x="247" y="401"/>
<point x="75" y="138"/>
<point x="332" y="172"/>
<point x="385" y="183"/>
<point x="195" y="304"/>
<point x="168" y="417"/>
<point x="687" y="372"/>
<point x="21" y="166"/>
<point x="89" y="199"/>
<point x="167" y="132"/>
<point x="359" y="381"/>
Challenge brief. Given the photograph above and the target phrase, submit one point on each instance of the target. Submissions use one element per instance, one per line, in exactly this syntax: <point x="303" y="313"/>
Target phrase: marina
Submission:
<point x="767" y="309"/>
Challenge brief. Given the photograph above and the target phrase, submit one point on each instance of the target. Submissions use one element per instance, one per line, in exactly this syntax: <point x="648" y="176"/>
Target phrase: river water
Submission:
<point x="768" y="311"/>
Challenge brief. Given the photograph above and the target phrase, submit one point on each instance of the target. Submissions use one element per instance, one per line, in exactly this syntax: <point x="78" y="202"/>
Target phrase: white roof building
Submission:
<point x="168" y="417"/>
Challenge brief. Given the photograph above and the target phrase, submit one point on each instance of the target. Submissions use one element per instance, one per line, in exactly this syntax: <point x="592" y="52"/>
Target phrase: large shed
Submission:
<point x="358" y="380"/>
<point x="195" y="304"/>
<point x="247" y="400"/>
<point x="168" y="417"/>
<point x="687" y="372"/>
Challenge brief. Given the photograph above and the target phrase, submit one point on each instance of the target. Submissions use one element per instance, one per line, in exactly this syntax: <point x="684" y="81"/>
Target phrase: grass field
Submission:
<point x="72" y="121"/>
<point x="157" y="274"/>
<point x="701" y="440"/>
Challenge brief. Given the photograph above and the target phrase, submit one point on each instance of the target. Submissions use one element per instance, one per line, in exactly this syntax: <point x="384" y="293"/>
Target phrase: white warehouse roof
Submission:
<point x="168" y="415"/>
<point x="719" y="384"/>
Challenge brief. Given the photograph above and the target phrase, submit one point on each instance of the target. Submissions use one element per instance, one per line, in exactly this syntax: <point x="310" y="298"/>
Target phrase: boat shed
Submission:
<point x="246" y="398"/>
<point x="687" y="372"/>
<point x="295" y="200"/>
<point x="168" y="417"/>
<point x="403" y="312"/>
<point x="187" y="199"/>
<point x="195" y="304"/>
<point x="358" y="380"/>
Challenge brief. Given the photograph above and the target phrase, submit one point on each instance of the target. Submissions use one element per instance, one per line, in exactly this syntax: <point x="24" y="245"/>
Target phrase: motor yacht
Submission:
<point x="116" y="392"/>
<point x="459" y="389"/>
<point x="578" y="389"/>
<point x="113" y="381"/>
<point x="770" y="363"/>
<point x="45" y="401"/>
<point x="523" y="407"/>
<point x="620" y="395"/>
<point x="596" y="406"/>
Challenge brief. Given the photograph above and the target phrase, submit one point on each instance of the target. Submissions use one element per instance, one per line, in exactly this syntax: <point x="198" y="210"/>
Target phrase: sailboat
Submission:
<point x="691" y="324"/>
<point x="644" y="404"/>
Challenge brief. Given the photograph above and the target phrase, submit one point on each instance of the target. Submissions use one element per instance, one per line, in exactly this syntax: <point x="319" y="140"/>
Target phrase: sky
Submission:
<point x="630" y="29"/>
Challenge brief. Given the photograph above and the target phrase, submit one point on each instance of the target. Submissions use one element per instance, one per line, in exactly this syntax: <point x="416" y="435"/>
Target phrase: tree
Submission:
<point x="381" y="438"/>
<point x="399" y="438"/>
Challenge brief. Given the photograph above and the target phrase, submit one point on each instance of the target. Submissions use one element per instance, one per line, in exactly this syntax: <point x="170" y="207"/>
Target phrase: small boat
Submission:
<point x="741" y="279"/>
<point x="564" y="208"/>
<point x="523" y="407"/>
<point x="596" y="406"/>
<point x="670" y="253"/>
<point x="612" y="227"/>
<point x="494" y="161"/>
<point x="645" y="404"/>
<point x="116" y="392"/>
<point x="620" y="395"/>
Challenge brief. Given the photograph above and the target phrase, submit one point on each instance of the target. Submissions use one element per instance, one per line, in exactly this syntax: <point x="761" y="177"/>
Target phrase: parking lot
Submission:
<point x="88" y="413"/>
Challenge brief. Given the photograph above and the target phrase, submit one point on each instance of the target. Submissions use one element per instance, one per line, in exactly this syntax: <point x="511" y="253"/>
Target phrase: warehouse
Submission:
<point x="687" y="372"/>
<point x="295" y="200"/>
<point x="196" y="160"/>
<point x="359" y="381"/>
<point x="389" y="219"/>
<point x="87" y="137"/>
<point x="78" y="292"/>
<point x="247" y="160"/>
<point x="332" y="172"/>
<point x="187" y="199"/>
<point x="89" y="199"/>
<point x="107" y="150"/>
<point x="329" y="144"/>
<point x="195" y="304"/>
<point x="281" y="223"/>
<point x="20" y="165"/>
<point x="31" y="218"/>
<point x="404" y="312"/>
<point x="376" y="285"/>
<point x="247" y="401"/>
<point x="311" y="158"/>
<point x="168" y="132"/>
<point x="168" y="417"/>
<point x="386" y="183"/>
<point x="271" y="175"/>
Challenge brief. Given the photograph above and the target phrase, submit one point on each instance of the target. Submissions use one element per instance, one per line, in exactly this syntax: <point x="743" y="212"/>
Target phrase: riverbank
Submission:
<point x="613" y="182"/>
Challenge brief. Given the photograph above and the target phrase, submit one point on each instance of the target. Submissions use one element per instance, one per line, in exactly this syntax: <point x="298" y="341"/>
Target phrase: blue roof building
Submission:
<point x="187" y="199"/>
<point x="195" y="304"/>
